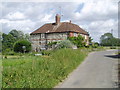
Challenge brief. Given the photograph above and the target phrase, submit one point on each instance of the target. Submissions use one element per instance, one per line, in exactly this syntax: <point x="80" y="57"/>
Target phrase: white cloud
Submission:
<point x="95" y="16"/>
<point x="15" y="16"/>
<point x="24" y="25"/>
<point x="47" y="18"/>
<point x="100" y="10"/>
<point x="98" y="28"/>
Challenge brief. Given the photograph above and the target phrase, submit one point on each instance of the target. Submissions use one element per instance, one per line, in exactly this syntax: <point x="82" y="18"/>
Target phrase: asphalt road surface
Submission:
<point x="98" y="70"/>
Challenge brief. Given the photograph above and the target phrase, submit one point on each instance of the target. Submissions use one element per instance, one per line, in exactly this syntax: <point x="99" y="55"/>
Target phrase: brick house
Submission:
<point x="57" y="31"/>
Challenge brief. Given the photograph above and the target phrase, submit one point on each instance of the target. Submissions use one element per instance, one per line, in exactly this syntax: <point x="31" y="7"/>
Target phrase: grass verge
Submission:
<point x="40" y="72"/>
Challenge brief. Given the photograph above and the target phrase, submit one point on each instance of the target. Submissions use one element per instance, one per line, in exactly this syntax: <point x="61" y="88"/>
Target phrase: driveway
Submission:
<point x="98" y="70"/>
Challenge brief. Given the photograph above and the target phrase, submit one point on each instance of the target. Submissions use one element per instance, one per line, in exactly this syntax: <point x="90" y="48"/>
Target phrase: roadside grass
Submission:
<point x="32" y="71"/>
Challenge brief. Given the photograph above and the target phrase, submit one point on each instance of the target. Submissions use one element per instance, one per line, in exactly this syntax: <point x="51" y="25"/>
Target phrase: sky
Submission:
<point x="95" y="16"/>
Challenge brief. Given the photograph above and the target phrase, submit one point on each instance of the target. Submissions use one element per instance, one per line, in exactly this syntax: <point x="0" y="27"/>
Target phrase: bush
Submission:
<point x="64" y="44"/>
<point x="78" y="41"/>
<point x="22" y="46"/>
<point x="45" y="52"/>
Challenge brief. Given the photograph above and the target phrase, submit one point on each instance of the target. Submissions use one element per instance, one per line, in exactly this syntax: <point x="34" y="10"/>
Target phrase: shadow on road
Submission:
<point x="113" y="56"/>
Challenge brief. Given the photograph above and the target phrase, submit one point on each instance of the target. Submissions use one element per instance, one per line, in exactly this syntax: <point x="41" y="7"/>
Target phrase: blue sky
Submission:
<point x="95" y="16"/>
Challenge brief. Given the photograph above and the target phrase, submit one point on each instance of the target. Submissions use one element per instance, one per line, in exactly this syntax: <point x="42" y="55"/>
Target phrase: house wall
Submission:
<point x="35" y="41"/>
<point x="39" y="41"/>
<point x="52" y="37"/>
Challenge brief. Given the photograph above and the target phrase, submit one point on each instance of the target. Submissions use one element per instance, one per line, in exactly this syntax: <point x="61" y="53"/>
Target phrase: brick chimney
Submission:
<point x="57" y="19"/>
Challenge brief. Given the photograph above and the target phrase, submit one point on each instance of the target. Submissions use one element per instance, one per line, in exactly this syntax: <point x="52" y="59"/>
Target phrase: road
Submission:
<point x="98" y="70"/>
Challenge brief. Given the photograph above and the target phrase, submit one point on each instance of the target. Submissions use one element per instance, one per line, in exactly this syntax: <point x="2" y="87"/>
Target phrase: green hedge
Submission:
<point x="18" y="47"/>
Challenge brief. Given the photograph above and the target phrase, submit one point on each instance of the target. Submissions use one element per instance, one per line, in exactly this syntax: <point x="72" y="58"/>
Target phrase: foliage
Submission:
<point x="60" y="44"/>
<point x="40" y="72"/>
<point x="64" y="44"/>
<point x="108" y="40"/>
<point x="51" y="44"/>
<point x="78" y="41"/>
<point x="9" y="39"/>
<point x="18" y="47"/>
<point x="95" y="45"/>
<point x="90" y="40"/>
<point x="17" y="34"/>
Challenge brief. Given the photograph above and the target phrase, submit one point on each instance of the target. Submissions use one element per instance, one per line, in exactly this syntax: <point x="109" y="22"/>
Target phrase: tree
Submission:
<point x="22" y="46"/>
<point x="90" y="40"/>
<point x="17" y="34"/>
<point x="27" y="37"/>
<point x="78" y="41"/>
<point x="7" y="41"/>
<point x="108" y="40"/>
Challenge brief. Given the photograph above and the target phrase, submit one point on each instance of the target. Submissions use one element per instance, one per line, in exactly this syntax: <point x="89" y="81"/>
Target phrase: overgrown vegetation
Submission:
<point x="60" y="44"/>
<point x="24" y="70"/>
<point x="30" y="71"/>
<point x="78" y="41"/>
<point x="8" y="40"/>
<point x="22" y="46"/>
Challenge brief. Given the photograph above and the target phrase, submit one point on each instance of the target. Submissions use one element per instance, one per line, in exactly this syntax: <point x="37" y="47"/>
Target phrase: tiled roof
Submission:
<point x="61" y="27"/>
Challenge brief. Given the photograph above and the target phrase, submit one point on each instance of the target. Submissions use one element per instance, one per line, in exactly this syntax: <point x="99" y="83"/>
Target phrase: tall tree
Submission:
<point x="7" y="41"/>
<point x="17" y="34"/>
<point x="108" y="40"/>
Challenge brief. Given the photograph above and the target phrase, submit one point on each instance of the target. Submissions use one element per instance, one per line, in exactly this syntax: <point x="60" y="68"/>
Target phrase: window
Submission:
<point x="42" y="35"/>
<point x="75" y="34"/>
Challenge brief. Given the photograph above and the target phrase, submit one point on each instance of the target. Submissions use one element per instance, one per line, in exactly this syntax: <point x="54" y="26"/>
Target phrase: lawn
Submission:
<point x="31" y="71"/>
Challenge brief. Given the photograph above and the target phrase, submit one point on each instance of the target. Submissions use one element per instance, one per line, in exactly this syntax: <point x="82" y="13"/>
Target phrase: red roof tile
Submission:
<point x="61" y="27"/>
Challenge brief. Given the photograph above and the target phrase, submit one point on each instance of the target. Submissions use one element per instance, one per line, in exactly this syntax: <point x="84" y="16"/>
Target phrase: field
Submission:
<point x="29" y="71"/>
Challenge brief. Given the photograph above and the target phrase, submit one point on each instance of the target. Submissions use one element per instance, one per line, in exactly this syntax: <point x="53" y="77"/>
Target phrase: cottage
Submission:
<point x="57" y="31"/>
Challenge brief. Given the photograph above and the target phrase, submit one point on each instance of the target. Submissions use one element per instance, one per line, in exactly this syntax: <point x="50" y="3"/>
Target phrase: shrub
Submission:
<point x="64" y="44"/>
<point x="22" y="46"/>
<point x="45" y="52"/>
<point x="78" y="41"/>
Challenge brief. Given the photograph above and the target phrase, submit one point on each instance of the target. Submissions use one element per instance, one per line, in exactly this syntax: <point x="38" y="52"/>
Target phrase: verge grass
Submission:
<point x="40" y="72"/>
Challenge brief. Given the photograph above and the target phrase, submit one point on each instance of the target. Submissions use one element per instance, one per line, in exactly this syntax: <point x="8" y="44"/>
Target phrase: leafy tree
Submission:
<point x="7" y="41"/>
<point x="22" y="46"/>
<point x="90" y="40"/>
<point x="78" y="41"/>
<point x="108" y="40"/>
<point x="17" y="34"/>
<point x="27" y="37"/>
